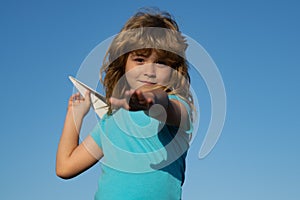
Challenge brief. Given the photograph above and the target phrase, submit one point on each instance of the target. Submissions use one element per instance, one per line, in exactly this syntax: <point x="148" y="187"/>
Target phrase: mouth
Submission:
<point x="148" y="82"/>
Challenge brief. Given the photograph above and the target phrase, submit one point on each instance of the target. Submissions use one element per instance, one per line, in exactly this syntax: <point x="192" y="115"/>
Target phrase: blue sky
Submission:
<point x="255" y="45"/>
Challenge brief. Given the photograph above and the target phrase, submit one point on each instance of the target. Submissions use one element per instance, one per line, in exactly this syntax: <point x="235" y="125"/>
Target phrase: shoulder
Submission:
<point x="185" y="103"/>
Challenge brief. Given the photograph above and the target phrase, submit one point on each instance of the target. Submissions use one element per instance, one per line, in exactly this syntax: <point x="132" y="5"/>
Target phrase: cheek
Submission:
<point x="129" y="65"/>
<point x="132" y="76"/>
<point x="133" y="72"/>
<point x="164" y="76"/>
<point x="129" y="77"/>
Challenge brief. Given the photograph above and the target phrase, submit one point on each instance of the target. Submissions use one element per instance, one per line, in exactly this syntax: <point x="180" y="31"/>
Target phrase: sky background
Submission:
<point x="255" y="45"/>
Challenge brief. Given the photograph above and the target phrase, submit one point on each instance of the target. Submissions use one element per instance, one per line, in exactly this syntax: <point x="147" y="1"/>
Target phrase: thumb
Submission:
<point x="87" y="96"/>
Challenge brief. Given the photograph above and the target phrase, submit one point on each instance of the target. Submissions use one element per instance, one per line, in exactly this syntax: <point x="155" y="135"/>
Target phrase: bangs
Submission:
<point x="171" y="59"/>
<point x="148" y="38"/>
<point x="142" y="52"/>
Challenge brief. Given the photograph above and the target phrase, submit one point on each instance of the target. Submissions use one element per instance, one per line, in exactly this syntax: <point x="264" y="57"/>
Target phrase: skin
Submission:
<point x="73" y="158"/>
<point x="143" y="75"/>
<point x="146" y="71"/>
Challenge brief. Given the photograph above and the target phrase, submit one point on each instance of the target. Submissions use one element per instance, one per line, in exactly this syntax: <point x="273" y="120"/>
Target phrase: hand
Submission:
<point x="134" y="100"/>
<point x="79" y="105"/>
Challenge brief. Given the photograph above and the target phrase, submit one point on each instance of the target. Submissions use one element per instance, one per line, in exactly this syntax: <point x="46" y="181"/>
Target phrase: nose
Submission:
<point x="150" y="70"/>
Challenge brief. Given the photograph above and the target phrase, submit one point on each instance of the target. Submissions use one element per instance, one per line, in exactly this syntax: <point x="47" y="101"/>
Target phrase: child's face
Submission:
<point x="146" y="70"/>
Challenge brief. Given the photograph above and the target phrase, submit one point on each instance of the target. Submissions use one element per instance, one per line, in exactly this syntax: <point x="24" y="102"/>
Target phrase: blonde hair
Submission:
<point x="144" y="33"/>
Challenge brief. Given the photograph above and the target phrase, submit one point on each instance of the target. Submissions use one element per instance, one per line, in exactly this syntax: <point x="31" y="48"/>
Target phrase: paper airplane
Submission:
<point x="98" y="100"/>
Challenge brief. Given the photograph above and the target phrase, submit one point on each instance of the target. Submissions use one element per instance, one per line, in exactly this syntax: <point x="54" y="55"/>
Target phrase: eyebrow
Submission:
<point x="138" y="54"/>
<point x="142" y="52"/>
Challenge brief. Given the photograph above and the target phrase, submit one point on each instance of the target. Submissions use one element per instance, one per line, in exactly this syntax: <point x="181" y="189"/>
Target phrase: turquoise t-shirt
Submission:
<point x="143" y="157"/>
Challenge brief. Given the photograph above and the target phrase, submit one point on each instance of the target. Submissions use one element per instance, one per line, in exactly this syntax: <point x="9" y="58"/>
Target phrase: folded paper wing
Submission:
<point x="98" y="100"/>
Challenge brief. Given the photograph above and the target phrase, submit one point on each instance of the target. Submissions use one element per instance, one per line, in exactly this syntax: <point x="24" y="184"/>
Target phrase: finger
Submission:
<point x="76" y="99"/>
<point x="140" y="96"/>
<point x="72" y="99"/>
<point x="149" y="101"/>
<point x="73" y="96"/>
<point x="119" y="103"/>
<point x="76" y="96"/>
<point x="132" y="91"/>
<point x="128" y="94"/>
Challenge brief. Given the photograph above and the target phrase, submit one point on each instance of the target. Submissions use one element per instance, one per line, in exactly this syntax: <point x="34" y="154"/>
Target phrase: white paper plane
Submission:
<point x="98" y="100"/>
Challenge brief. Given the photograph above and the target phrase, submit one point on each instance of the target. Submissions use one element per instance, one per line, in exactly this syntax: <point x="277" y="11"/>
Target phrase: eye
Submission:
<point x="139" y="60"/>
<point x="161" y="62"/>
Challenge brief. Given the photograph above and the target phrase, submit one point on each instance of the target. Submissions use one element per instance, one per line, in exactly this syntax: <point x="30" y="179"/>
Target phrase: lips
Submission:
<point x="148" y="82"/>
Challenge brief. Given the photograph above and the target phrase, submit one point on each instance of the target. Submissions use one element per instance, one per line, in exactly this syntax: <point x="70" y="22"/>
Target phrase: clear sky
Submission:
<point x="255" y="45"/>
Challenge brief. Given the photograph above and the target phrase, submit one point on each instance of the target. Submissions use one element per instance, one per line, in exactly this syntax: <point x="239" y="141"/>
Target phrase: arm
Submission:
<point x="156" y="104"/>
<point x="73" y="158"/>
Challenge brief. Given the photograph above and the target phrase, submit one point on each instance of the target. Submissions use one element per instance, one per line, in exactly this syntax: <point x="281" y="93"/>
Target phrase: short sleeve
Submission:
<point x="95" y="134"/>
<point x="188" y="109"/>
